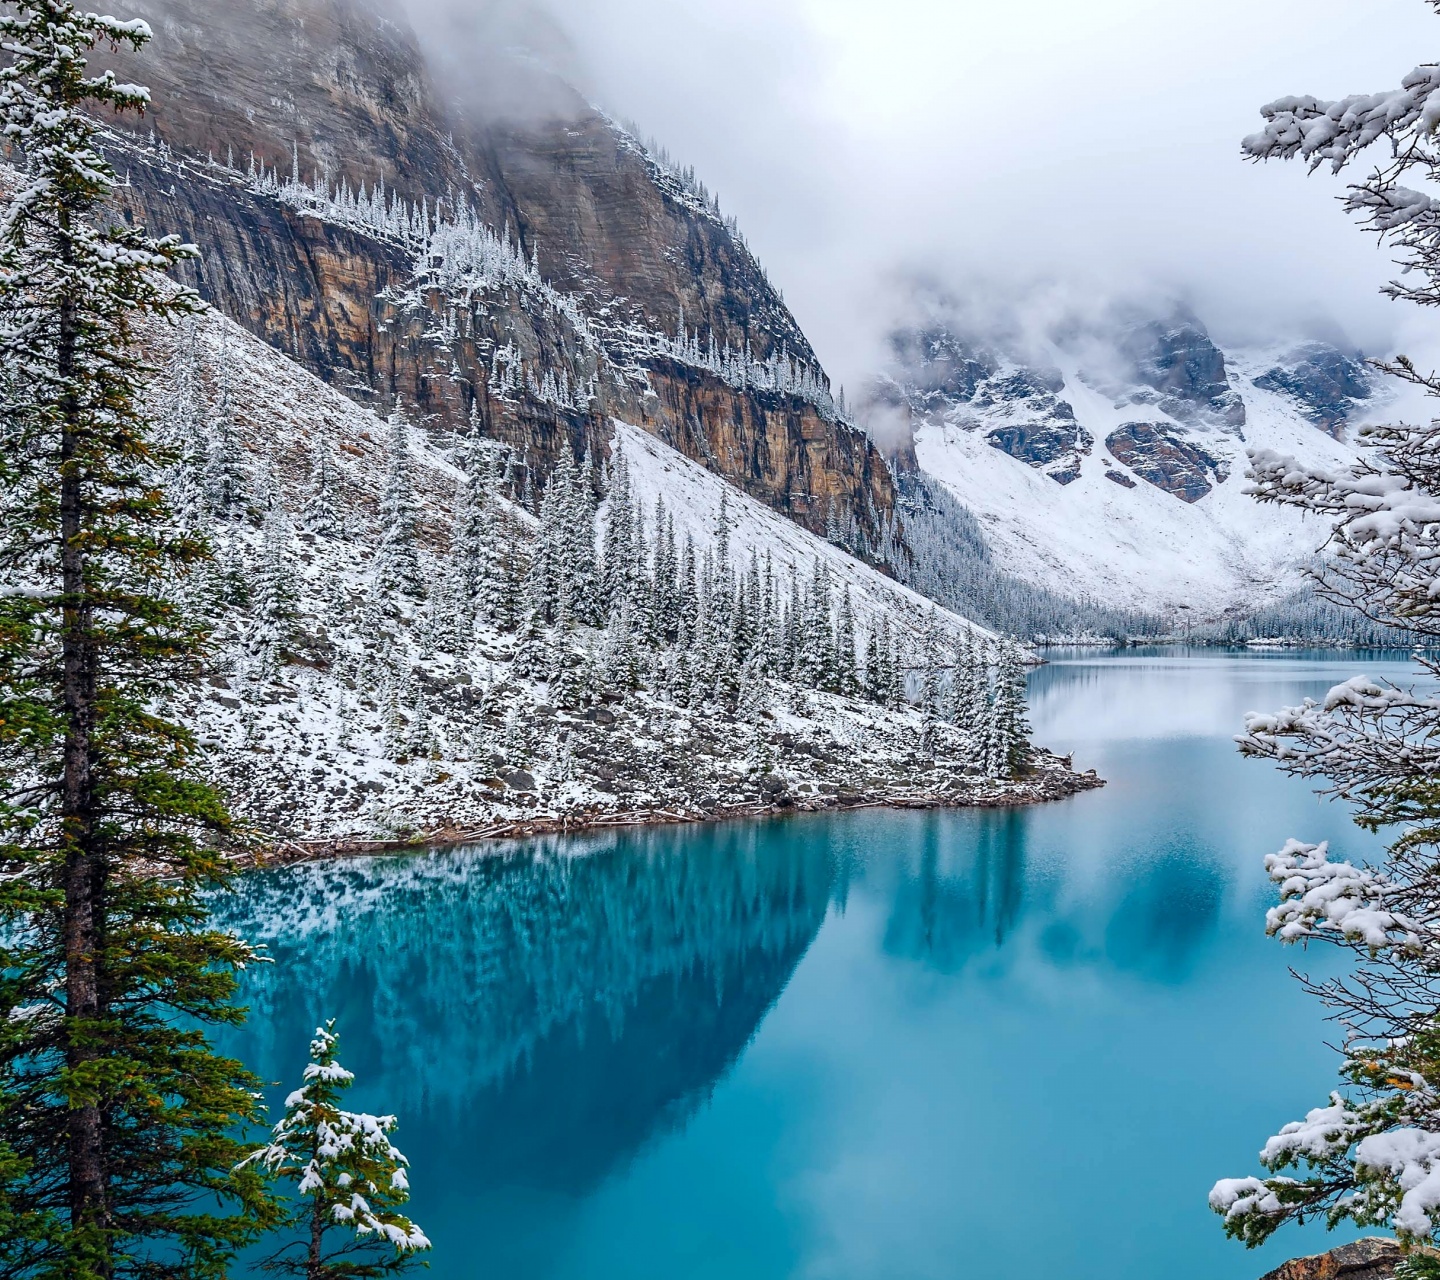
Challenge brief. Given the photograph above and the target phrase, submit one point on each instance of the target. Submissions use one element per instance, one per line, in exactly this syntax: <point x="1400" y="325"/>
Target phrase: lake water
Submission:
<point x="866" y="1046"/>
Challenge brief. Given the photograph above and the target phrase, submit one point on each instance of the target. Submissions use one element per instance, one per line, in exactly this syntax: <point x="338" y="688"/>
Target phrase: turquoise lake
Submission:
<point x="1008" y="1045"/>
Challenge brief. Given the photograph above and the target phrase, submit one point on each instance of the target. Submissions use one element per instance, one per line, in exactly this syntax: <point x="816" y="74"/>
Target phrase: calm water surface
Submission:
<point x="919" y="1046"/>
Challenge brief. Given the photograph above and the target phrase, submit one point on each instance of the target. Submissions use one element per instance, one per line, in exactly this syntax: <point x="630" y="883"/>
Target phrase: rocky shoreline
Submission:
<point x="1052" y="778"/>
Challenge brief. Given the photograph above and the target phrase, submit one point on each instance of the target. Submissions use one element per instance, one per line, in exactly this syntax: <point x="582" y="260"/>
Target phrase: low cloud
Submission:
<point x="1007" y="156"/>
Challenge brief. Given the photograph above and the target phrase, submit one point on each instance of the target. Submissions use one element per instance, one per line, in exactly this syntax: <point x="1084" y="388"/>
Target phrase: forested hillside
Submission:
<point x="415" y="640"/>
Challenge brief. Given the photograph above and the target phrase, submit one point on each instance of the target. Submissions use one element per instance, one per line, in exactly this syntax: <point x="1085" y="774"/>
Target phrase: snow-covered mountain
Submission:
<point x="1109" y="463"/>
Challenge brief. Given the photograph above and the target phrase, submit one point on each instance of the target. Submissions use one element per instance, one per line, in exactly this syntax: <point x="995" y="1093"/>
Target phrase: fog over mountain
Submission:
<point x="1034" y="146"/>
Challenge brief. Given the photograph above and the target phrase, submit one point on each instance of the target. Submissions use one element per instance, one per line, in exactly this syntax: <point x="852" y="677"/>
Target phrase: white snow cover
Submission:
<point x="329" y="746"/>
<point x="1319" y="896"/>
<point x="693" y="496"/>
<point x="1141" y="547"/>
<point x="1412" y="1158"/>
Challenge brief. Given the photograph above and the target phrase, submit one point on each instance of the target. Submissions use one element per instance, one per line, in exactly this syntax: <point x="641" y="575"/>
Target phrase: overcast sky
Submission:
<point x="1094" y="144"/>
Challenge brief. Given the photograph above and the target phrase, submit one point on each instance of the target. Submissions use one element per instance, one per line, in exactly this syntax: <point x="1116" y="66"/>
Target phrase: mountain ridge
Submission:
<point x="1112" y="457"/>
<point x="672" y="300"/>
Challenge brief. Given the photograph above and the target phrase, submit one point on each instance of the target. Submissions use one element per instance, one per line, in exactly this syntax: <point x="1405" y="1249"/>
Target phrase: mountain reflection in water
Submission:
<point x="860" y="1045"/>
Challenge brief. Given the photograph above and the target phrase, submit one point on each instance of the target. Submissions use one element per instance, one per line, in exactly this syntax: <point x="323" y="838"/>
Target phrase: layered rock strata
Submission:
<point x="610" y="286"/>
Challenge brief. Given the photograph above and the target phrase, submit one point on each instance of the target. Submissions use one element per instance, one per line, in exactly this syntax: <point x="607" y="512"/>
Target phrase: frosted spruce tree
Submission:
<point x="397" y="559"/>
<point x="226" y="493"/>
<point x="117" y="1120"/>
<point x="322" y="514"/>
<point x="348" y="1179"/>
<point x="1369" y="1154"/>
<point x="275" y="593"/>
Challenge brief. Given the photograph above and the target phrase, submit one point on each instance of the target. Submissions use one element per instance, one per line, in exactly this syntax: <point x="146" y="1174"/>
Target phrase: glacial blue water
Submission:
<point x="866" y="1046"/>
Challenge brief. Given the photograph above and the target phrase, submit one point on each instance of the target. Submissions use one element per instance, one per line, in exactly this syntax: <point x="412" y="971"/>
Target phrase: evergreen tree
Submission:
<point x="847" y="677"/>
<point x="1369" y="1154"/>
<point x="469" y="573"/>
<point x="116" y="1117"/>
<point x="875" y="684"/>
<point x="397" y="559"/>
<point x="508" y="602"/>
<point x="226" y="488"/>
<point x="275" y="593"/>
<point x="548" y="584"/>
<point x="322" y="502"/>
<point x="929" y="668"/>
<point x="967" y="696"/>
<point x="350" y="1180"/>
<point x="587" y="592"/>
<point x="619" y="569"/>
<point x="1013" y="712"/>
<point x="621" y="660"/>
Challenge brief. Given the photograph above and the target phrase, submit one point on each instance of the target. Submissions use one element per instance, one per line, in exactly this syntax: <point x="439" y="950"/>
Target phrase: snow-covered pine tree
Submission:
<point x="117" y="1119"/>
<point x="350" y="1181"/>
<point x="723" y="528"/>
<point x="322" y="514"/>
<point x="468" y="573"/>
<point x="618" y="574"/>
<point x="967" y="689"/>
<point x="874" y="682"/>
<point x="547" y="588"/>
<point x="687" y="590"/>
<point x="275" y="593"/>
<point x="1370" y="1154"/>
<point x="532" y="653"/>
<point x="227" y="489"/>
<point x="792" y="621"/>
<point x="620" y="659"/>
<point x="930" y="667"/>
<point x="822" y="669"/>
<point x="1012" y="716"/>
<point x="664" y="581"/>
<point x="585" y="597"/>
<point x="507" y="603"/>
<point x="397" y="559"/>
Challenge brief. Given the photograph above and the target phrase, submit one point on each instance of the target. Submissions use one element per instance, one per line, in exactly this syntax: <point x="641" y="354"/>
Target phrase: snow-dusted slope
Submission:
<point x="693" y="497"/>
<point x="336" y="707"/>
<point x="1129" y="488"/>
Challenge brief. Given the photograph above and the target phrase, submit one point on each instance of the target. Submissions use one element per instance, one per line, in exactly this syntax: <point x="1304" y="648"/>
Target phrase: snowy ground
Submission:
<point x="693" y="496"/>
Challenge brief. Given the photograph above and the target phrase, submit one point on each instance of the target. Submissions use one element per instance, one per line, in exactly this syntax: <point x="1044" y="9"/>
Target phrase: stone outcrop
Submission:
<point x="1053" y="448"/>
<point x="1328" y="384"/>
<point x="1373" y="1258"/>
<point x="940" y="368"/>
<point x="949" y="381"/>
<point x="339" y="89"/>
<point x="1183" y="373"/>
<point x="1158" y="454"/>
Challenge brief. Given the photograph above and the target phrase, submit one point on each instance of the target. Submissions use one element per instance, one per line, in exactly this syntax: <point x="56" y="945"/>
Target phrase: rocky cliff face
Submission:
<point x="590" y="281"/>
<point x="1180" y="371"/>
<point x="1160" y="456"/>
<point x="1327" y="384"/>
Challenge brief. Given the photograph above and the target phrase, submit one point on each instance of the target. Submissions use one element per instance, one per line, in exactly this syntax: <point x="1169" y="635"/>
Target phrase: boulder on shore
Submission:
<point x="1373" y="1258"/>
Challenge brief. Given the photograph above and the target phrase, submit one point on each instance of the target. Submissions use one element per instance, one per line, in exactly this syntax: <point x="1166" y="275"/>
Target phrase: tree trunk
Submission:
<point x="314" y="1262"/>
<point x="84" y="885"/>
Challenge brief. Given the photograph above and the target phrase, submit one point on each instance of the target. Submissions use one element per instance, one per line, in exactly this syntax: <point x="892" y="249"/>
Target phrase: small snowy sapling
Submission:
<point x="350" y="1180"/>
